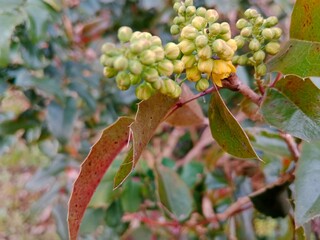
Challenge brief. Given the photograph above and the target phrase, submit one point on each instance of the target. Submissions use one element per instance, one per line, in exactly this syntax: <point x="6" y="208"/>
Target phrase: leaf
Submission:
<point x="131" y="197"/>
<point x="149" y="116"/>
<point x="174" y="194"/>
<point x="307" y="187"/>
<point x="226" y="130"/>
<point x="61" y="119"/>
<point x="102" y="154"/>
<point x="300" y="55"/>
<point x="294" y="107"/>
<point x="189" y="114"/>
<point x="60" y="215"/>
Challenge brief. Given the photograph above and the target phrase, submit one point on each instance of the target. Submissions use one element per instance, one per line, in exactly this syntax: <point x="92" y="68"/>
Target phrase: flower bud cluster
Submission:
<point x="203" y="43"/>
<point x="260" y="36"/>
<point x="142" y="60"/>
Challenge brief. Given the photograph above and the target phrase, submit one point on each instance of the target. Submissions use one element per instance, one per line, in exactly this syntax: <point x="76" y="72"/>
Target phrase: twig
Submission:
<point x="278" y="77"/>
<point x="292" y="145"/>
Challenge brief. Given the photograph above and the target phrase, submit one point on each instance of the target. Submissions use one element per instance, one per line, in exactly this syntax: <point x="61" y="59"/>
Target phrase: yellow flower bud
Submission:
<point x="107" y="47"/>
<point x="232" y="44"/>
<point x="259" y="56"/>
<point x="120" y="63"/>
<point x="201" y="11"/>
<point x="150" y="74"/>
<point x="187" y="46"/>
<point x="218" y="45"/>
<point x="277" y="32"/>
<point x="205" y="65"/>
<point x="144" y="91"/>
<point x="246" y="32"/>
<point x="135" y="67"/>
<point x="172" y="51"/>
<point x="240" y="41"/>
<point x="174" y="29"/>
<point x="221" y="69"/>
<point x="155" y="41"/>
<point x="199" y="22"/>
<point x="202" y="85"/>
<point x="254" y="45"/>
<point x="165" y="67"/>
<point x="191" y="10"/>
<point x="193" y="74"/>
<point x="189" y="32"/>
<point x="157" y="85"/>
<point x="214" y="29"/>
<point x="124" y="34"/>
<point x="188" y="60"/>
<point x="272" y="48"/>
<point x="242" y="23"/>
<point x="267" y="33"/>
<point x="147" y="57"/>
<point x="205" y="52"/>
<point x="271" y="21"/>
<point x="225" y="27"/>
<point x="123" y="81"/>
<point x="201" y="41"/>
<point x="178" y="66"/>
<point x="159" y="52"/>
<point x="211" y="15"/>
<point x="109" y="72"/>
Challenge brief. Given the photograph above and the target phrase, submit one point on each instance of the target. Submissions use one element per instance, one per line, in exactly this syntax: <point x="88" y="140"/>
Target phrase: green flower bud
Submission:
<point x="240" y="41"/>
<point x="109" y="72"/>
<point x="251" y="13"/>
<point x="242" y="23"/>
<point x="201" y="41"/>
<point x="243" y="59"/>
<point x="214" y="29"/>
<point x="226" y="36"/>
<point x="211" y="15"/>
<point x="179" y="20"/>
<point x="174" y="30"/>
<point x="150" y="74"/>
<point x="135" y="36"/>
<point x="120" y="63"/>
<point x="178" y="66"/>
<point x="205" y="52"/>
<point x="177" y="92"/>
<point x="138" y="46"/>
<point x="187" y="46"/>
<point x="106" y="61"/>
<point x="259" y="56"/>
<point x="272" y="48"/>
<point x="251" y="61"/>
<point x="267" y="33"/>
<point x="159" y="52"/>
<point x="218" y="45"/>
<point x="254" y="45"/>
<point x="201" y="11"/>
<point x="189" y="32"/>
<point x="165" y="67"/>
<point x="227" y="54"/>
<point x="146" y="35"/>
<point x="124" y="34"/>
<point x="168" y="87"/>
<point x="193" y="74"/>
<point x="155" y="41"/>
<point x="259" y="21"/>
<point x="182" y="10"/>
<point x="107" y="47"/>
<point x="144" y="91"/>
<point x="188" y="3"/>
<point x="261" y="70"/>
<point x="135" y="67"/>
<point x="202" y="85"/>
<point x="176" y="6"/>
<point x="199" y="22"/>
<point x="123" y="81"/>
<point x="271" y="21"/>
<point x="134" y="79"/>
<point x="191" y="10"/>
<point x="147" y="57"/>
<point x="232" y="44"/>
<point x="172" y="51"/>
<point x="235" y="59"/>
<point x="205" y="65"/>
<point x="188" y="60"/>
<point x="277" y="32"/>
<point x="157" y="85"/>
<point x="225" y="27"/>
<point x="246" y="32"/>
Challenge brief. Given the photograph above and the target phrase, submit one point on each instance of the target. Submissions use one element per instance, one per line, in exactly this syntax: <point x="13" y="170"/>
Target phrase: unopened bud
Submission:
<point x="259" y="56"/>
<point x="150" y="74"/>
<point x="144" y="91"/>
<point x="157" y="84"/>
<point x="235" y="59"/>
<point x="134" y="79"/>
<point x="211" y="15"/>
<point x="188" y="60"/>
<point x="267" y="33"/>
<point x="242" y="23"/>
<point x="138" y="46"/>
<point x="174" y="29"/>
<point x="272" y="48"/>
<point x="189" y="32"/>
<point x="159" y="52"/>
<point x="199" y="22"/>
<point x="251" y="13"/>
<point x="233" y="44"/>
<point x="243" y="59"/>
<point x="202" y="85"/>
<point x="178" y="66"/>
<point x="147" y="57"/>
<point x="120" y="63"/>
<point x="271" y="21"/>
<point x="218" y="45"/>
<point x="240" y="41"/>
<point x="168" y="87"/>
<point x="107" y="47"/>
<point x="135" y="36"/>
<point x="226" y="37"/>
<point x="191" y="10"/>
<point x="259" y="21"/>
<point x="201" y="11"/>
<point x="205" y="52"/>
<point x="201" y="41"/>
<point x="193" y="74"/>
<point x="176" y="6"/>
<point x="277" y="32"/>
<point x="124" y="34"/>
<point x="214" y="29"/>
<point x="261" y="70"/>
<point x="246" y="32"/>
<point x="171" y="51"/>
<point x="205" y="66"/>
<point x="165" y="67"/>
<point x="182" y="10"/>
<point x="187" y="46"/>
<point x="155" y="41"/>
<point x="188" y="3"/>
<point x="109" y="72"/>
<point x="123" y="81"/>
<point x="225" y="27"/>
<point x="178" y="20"/>
<point x="106" y="61"/>
<point x="254" y="45"/>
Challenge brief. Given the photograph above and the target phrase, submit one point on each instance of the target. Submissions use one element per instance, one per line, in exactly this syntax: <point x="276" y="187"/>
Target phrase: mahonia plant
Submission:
<point x="205" y="50"/>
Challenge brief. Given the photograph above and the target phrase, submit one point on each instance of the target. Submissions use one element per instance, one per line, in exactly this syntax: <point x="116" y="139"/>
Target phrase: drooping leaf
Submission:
<point x="294" y="107"/>
<point x="61" y="119"/>
<point x="299" y="56"/>
<point x="150" y="114"/>
<point x="112" y="140"/>
<point x="189" y="114"/>
<point x="307" y="187"/>
<point x="174" y="194"/>
<point x="226" y="130"/>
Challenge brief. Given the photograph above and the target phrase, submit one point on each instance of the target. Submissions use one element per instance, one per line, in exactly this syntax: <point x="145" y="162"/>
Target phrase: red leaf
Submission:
<point x="102" y="154"/>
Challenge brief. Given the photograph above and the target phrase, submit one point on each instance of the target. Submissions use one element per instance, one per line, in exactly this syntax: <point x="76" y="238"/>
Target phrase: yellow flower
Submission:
<point x="221" y="69"/>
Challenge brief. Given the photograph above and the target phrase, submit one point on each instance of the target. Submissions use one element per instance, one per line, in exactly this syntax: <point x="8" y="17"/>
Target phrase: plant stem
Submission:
<point x="292" y="145"/>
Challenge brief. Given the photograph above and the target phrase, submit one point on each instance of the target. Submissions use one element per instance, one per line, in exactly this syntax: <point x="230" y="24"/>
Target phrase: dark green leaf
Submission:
<point x="307" y="187"/>
<point x="131" y="197"/>
<point x="227" y="131"/>
<point x="294" y="107"/>
<point x="174" y="194"/>
<point x="191" y="173"/>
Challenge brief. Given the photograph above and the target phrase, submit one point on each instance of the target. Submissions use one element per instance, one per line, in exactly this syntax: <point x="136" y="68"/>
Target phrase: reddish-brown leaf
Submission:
<point x="102" y="154"/>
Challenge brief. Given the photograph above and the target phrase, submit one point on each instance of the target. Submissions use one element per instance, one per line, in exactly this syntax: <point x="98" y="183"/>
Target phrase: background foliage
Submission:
<point x="55" y="103"/>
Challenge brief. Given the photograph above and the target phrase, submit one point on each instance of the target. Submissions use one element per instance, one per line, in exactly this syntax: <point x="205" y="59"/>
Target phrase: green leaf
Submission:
<point x="61" y="119"/>
<point x="149" y="116"/>
<point x="294" y="107"/>
<point x="102" y="154"/>
<point x="191" y="173"/>
<point x="300" y="55"/>
<point x="174" y="194"/>
<point x="131" y="197"/>
<point x="307" y="187"/>
<point x="226" y="130"/>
